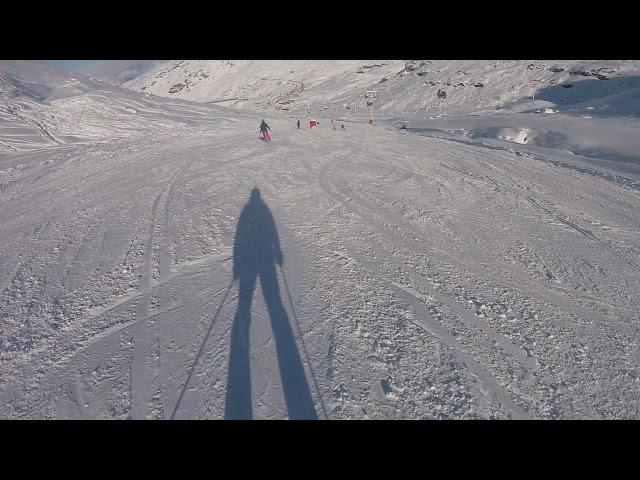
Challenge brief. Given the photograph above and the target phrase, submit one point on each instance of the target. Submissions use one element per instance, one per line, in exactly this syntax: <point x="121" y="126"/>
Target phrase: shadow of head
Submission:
<point x="256" y="243"/>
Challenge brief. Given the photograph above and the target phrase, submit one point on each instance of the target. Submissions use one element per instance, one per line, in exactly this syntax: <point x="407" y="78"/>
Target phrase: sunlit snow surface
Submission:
<point x="483" y="263"/>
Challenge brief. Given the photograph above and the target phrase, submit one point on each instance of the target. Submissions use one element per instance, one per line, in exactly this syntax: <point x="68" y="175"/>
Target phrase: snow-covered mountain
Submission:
<point x="403" y="87"/>
<point x="486" y="86"/>
<point x="121" y="71"/>
<point x="583" y="107"/>
<point x="41" y="106"/>
<point x="260" y="84"/>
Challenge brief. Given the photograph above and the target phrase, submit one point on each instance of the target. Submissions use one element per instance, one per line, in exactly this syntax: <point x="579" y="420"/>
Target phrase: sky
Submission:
<point x="114" y="71"/>
<point x="81" y="66"/>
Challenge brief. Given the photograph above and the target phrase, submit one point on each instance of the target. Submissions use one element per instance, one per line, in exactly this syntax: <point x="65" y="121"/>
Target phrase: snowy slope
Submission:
<point x="596" y="103"/>
<point x="42" y="106"/>
<point x="421" y="277"/>
<point x="480" y="86"/>
<point x="258" y="84"/>
<point x="404" y="87"/>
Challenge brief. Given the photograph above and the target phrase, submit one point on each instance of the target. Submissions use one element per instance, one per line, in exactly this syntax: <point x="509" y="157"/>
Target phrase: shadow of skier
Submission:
<point x="256" y="251"/>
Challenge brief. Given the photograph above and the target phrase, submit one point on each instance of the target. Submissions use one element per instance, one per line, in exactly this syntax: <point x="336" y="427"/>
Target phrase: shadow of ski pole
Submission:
<point x="204" y="342"/>
<point x="304" y="347"/>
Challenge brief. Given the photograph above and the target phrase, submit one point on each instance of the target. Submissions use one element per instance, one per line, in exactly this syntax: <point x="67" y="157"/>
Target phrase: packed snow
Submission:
<point x="158" y="260"/>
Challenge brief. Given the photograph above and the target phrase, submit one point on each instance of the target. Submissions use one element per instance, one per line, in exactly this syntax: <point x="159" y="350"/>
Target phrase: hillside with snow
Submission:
<point x="594" y="103"/>
<point x="407" y="87"/>
<point x="259" y="84"/>
<point x="158" y="260"/>
<point x="41" y="106"/>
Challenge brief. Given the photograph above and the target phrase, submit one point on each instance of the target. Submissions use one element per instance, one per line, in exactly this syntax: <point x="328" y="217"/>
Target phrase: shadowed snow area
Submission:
<point x="158" y="260"/>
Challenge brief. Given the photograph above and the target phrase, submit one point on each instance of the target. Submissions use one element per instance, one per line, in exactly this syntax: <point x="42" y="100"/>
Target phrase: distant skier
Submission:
<point x="298" y="124"/>
<point x="333" y="126"/>
<point x="342" y="126"/>
<point x="264" y="128"/>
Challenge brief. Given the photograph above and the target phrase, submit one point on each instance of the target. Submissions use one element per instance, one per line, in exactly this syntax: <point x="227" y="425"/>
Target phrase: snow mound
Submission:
<point x="523" y="136"/>
<point x="42" y="106"/>
<point x="508" y="134"/>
